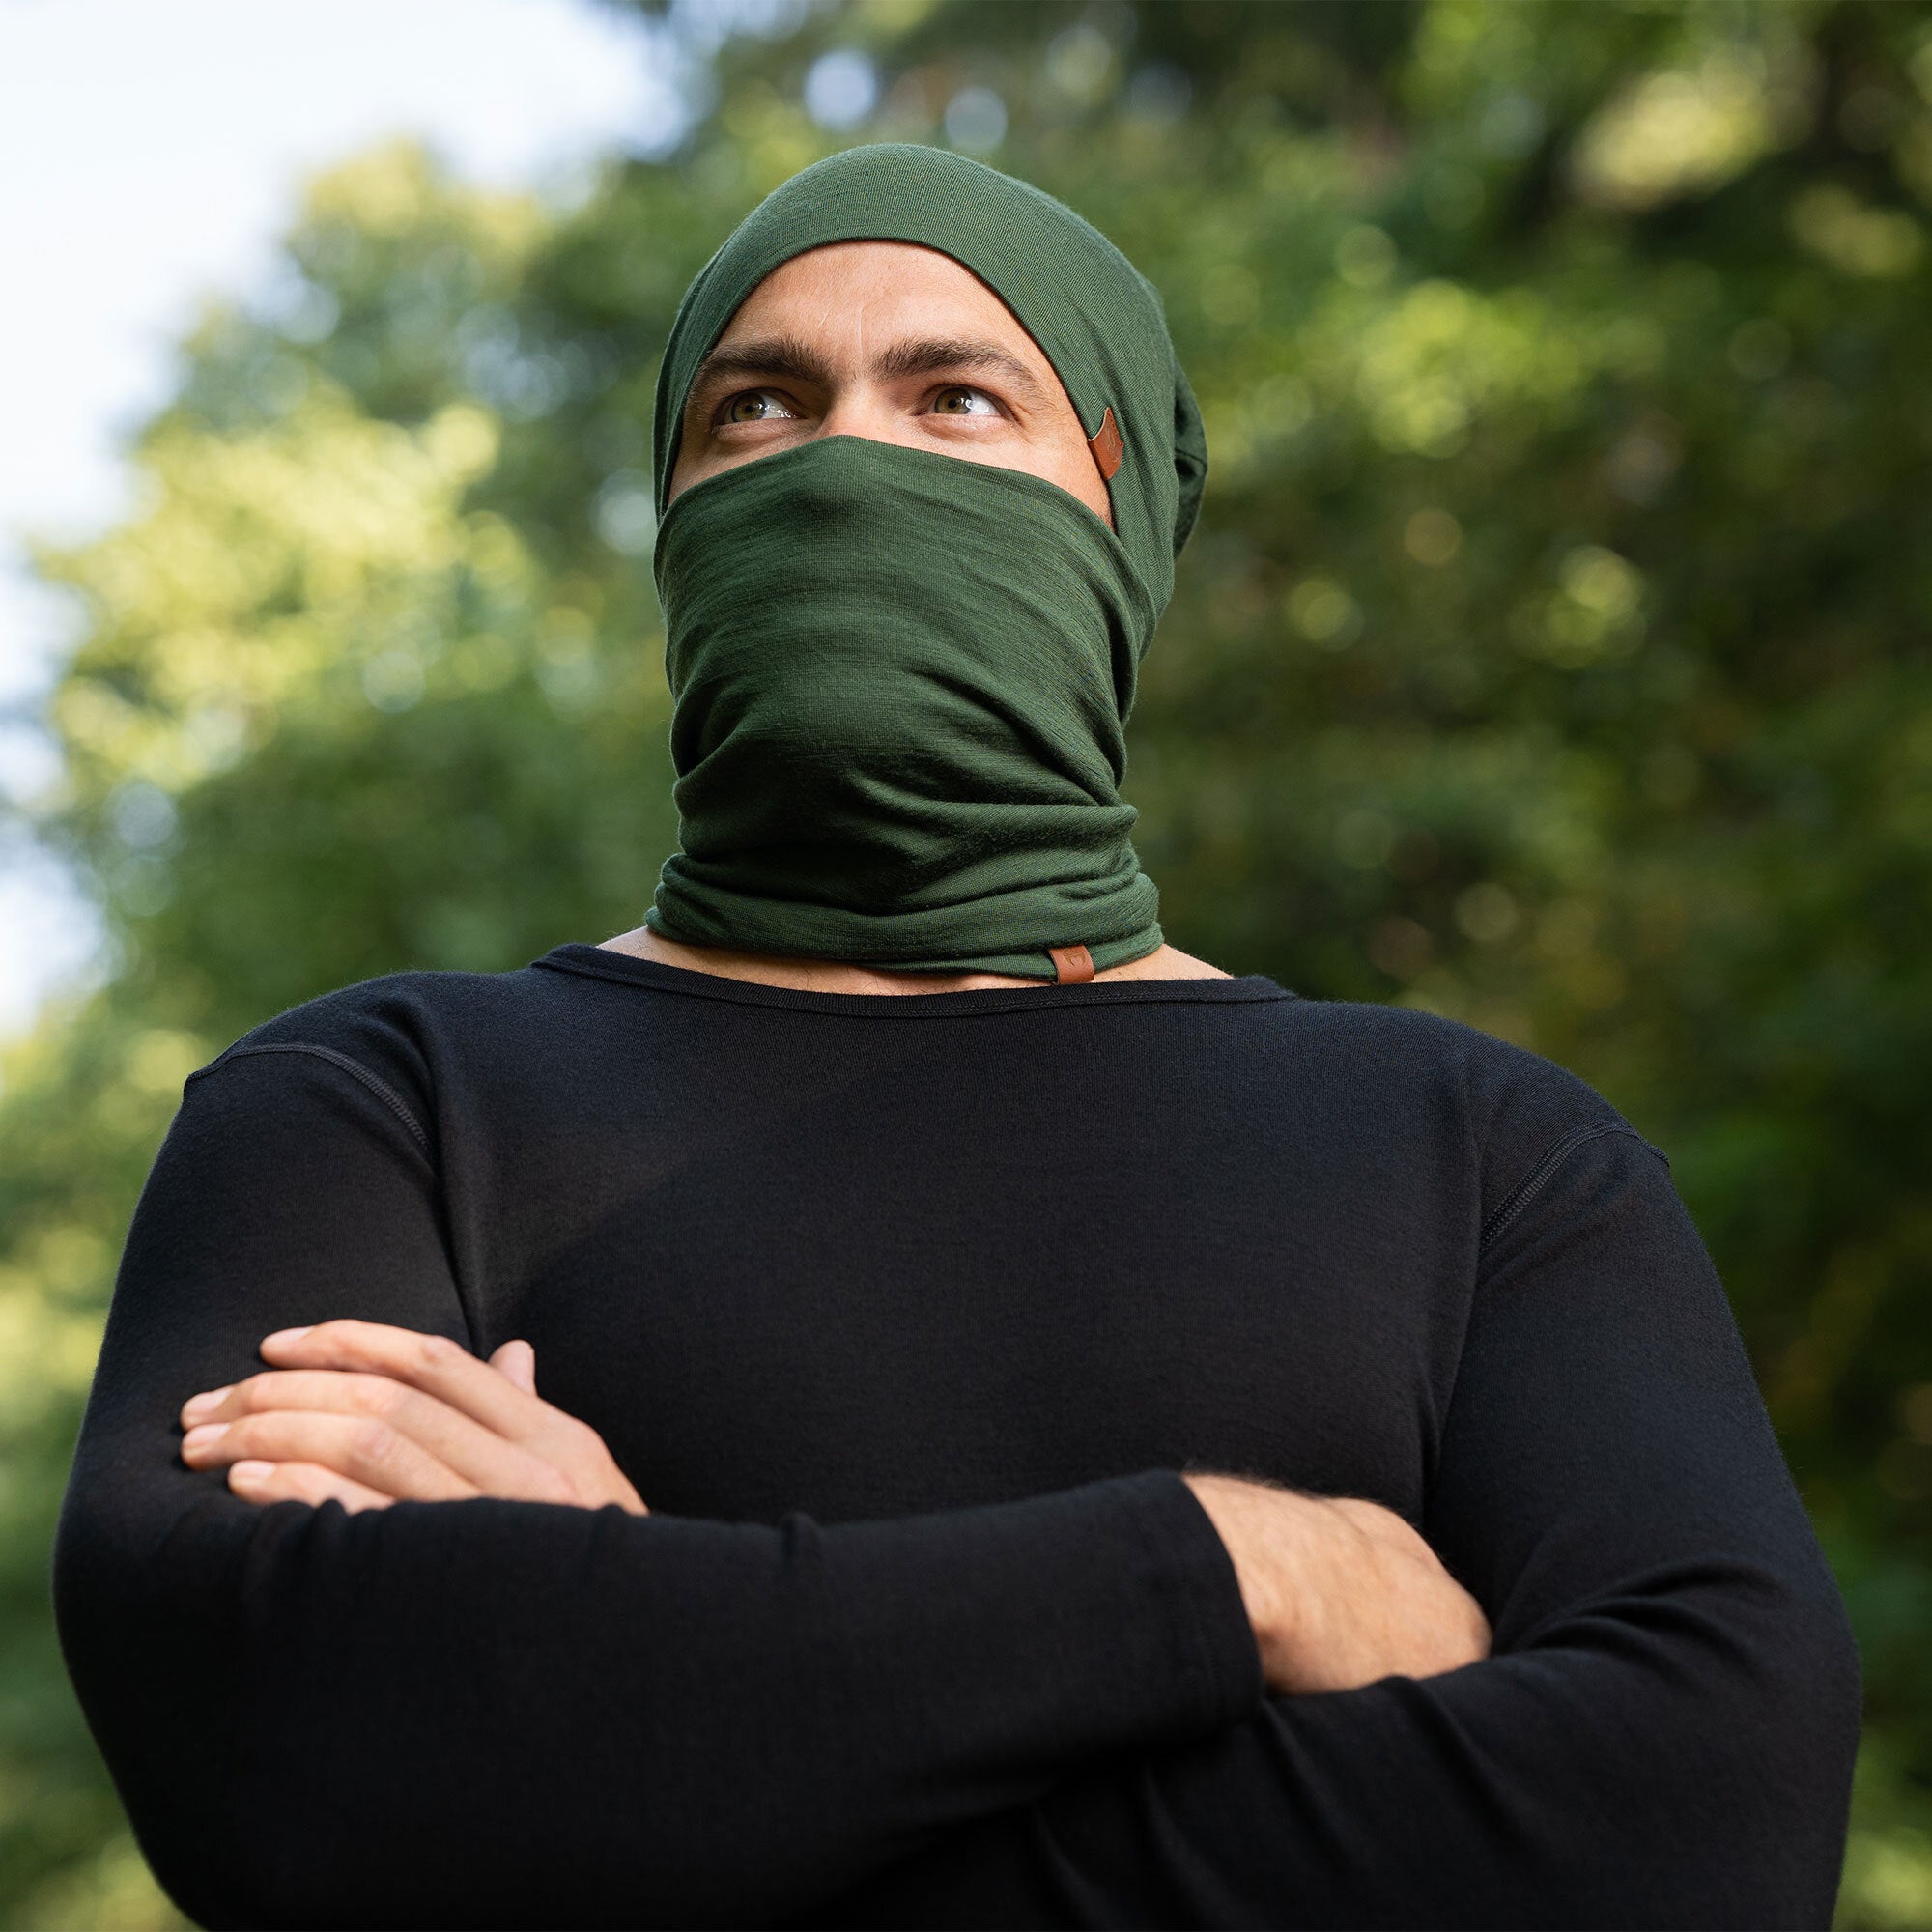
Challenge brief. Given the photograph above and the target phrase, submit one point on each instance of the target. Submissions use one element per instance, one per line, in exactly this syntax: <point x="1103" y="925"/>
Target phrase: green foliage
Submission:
<point x="1553" y="652"/>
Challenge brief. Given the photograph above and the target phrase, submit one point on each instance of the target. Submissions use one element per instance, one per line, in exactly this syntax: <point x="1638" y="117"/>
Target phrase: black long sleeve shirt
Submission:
<point x="904" y="1314"/>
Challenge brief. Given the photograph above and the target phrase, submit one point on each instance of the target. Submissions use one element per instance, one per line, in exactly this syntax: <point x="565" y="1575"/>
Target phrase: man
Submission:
<point x="1035" y="1429"/>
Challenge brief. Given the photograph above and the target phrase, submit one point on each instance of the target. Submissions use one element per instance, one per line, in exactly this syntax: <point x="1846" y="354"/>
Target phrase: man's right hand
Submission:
<point x="1341" y="1592"/>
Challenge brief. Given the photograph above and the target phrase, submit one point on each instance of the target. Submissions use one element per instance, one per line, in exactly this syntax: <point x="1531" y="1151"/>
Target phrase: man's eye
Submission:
<point x="754" y="405"/>
<point x="959" y="402"/>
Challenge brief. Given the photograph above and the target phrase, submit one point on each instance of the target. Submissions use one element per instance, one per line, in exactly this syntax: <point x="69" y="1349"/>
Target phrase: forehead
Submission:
<point x="847" y="289"/>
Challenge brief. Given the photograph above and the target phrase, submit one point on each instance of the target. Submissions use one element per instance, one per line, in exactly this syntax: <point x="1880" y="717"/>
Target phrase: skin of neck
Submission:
<point x="898" y="344"/>
<point x="830" y="976"/>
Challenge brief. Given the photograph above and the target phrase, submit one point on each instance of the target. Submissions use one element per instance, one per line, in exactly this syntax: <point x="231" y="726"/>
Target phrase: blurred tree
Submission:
<point x="1553" y="652"/>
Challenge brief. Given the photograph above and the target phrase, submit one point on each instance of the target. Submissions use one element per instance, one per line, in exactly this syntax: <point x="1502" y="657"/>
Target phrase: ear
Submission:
<point x="1190" y="457"/>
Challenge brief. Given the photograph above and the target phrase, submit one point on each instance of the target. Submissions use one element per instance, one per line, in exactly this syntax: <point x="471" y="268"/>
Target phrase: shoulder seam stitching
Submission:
<point x="1533" y="1182"/>
<point x="382" y="1089"/>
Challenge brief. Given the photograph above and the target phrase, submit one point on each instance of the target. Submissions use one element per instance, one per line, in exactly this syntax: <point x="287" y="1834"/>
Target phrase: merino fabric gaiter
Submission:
<point x="899" y="750"/>
<point x="901" y="679"/>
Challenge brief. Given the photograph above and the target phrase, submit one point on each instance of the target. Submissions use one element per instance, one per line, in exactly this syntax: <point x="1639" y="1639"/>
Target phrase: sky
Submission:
<point x="149" y="155"/>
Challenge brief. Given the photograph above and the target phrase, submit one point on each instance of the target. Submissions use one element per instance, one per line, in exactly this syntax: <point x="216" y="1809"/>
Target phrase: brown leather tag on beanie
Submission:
<point x="1106" y="444"/>
<point x="1072" y="965"/>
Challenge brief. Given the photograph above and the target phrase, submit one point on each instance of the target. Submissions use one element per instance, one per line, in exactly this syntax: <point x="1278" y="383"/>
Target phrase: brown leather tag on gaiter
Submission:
<point x="1072" y="965"/>
<point x="1106" y="444"/>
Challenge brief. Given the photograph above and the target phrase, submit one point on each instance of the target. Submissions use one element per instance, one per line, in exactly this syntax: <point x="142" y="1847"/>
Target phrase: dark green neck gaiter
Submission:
<point x="901" y="679"/>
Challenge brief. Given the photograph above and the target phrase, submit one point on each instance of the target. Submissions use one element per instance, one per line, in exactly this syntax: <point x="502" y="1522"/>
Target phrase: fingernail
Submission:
<point x="200" y="1404"/>
<point x="207" y="1432"/>
<point x="286" y="1335"/>
<point x="250" y="1471"/>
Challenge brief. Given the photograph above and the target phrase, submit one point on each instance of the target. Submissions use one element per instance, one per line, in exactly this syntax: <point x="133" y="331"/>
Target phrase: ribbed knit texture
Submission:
<point x="901" y="680"/>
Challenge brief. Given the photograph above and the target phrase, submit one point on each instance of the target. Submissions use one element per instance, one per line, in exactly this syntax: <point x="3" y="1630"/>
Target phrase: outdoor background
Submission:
<point x="1553" y="652"/>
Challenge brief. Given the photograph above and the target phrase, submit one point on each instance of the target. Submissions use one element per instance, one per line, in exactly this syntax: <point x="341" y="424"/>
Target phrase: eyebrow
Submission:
<point x="791" y="359"/>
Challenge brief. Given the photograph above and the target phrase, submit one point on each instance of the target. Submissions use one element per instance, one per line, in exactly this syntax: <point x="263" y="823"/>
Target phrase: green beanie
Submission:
<point x="900" y="679"/>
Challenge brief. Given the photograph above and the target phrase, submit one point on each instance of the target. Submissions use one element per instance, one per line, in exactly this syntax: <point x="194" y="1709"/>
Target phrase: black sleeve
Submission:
<point x="489" y="1713"/>
<point x="1665" y="1731"/>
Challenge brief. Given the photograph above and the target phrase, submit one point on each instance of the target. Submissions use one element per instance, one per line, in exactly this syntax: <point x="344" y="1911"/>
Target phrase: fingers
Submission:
<point x="302" y="1483"/>
<point x="387" y="1407"/>
<point x="432" y="1363"/>
<point x="519" y="1361"/>
<point x="441" y="1368"/>
<point x="395" y="1431"/>
<point x="367" y="1452"/>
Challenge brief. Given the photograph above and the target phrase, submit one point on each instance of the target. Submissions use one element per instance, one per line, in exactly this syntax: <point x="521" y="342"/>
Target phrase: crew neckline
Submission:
<point x="600" y="962"/>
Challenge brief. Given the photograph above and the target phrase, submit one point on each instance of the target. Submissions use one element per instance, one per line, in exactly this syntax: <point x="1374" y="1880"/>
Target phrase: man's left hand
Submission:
<point x="364" y="1414"/>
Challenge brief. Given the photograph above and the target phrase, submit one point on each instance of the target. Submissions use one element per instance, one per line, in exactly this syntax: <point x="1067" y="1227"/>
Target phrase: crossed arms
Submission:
<point x="508" y="1707"/>
<point x="1339" y="1591"/>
